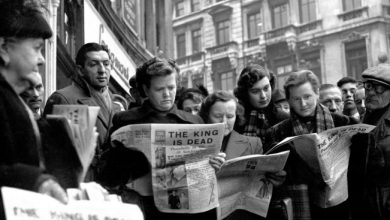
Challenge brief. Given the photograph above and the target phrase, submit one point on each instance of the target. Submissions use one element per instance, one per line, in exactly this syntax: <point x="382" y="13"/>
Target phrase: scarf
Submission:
<point x="323" y="121"/>
<point x="257" y="124"/>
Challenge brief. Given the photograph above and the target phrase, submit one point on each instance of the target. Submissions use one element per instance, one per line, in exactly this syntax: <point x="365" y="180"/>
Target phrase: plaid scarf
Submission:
<point x="257" y="124"/>
<point x="324" y="121"/>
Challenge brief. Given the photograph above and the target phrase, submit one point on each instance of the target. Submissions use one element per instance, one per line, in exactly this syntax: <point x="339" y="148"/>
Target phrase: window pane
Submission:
<point x="279" y="14"/>
<point x="181" y="45"/>
<point x="179" y="8"/>
<point x="356" y="57"/>
<point x="223" y="32"/>
<point x="253" y="25"/>
<point x="195" y="5"/>
<point x="196" y="41"/>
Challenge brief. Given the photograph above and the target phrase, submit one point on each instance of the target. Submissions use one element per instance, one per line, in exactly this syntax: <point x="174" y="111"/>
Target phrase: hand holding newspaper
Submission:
<point x="243" y="185"/>
<point x="327" y="156"/>
<point x="78" y="124"/>
<point x="182" y="178"/>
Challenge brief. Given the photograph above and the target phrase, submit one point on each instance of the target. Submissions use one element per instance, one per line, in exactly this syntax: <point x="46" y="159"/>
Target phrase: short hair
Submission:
<point x="249" y="76"/>
<point x="299" y="78"/>
<point x="23" y="19"/>
<point x="345" y="80"/>
<point x="133" y="82"/>
<point x="222" y="96"/>
<point x="81" y="54"/>
<point x="192" y="94"/>
<point x="152" y="68"/>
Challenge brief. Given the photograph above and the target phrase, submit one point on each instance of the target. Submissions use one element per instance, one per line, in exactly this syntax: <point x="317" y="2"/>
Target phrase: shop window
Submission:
<point x="254" y="25"/>
<point x="196" y="41"/>
<point x="349" y="5"/>
<point x="223" y="31"/>
<point x="181" y="45"/>
<point x="279" y="16"/>
<point x="195" y="5"/>
<point x="307" y="10"/>
<point x="179" y="8"/>
<point x="356" y="58"/>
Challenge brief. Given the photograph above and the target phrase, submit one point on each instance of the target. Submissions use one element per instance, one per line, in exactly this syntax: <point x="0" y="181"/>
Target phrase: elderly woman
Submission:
<point x="307" y="116"/>
<point x="23" y="31"/>
<point x="222" y="107"/>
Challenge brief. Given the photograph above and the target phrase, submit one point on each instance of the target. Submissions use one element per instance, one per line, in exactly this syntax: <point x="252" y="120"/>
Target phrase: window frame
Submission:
<point x="225" y="29"/>
<point x="181" y="45"/>
<point x="274" y="26"/>
<point x="255" y="25"/>
<point x="196" y="38"/>
<point x="311" y="12"/>
<point x="354" y="5"/>
<point x="179" y="11"/>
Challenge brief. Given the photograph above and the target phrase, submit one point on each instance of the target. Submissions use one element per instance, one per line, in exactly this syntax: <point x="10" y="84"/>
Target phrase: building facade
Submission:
<point x="214" y="39"/>
<point x="130" y="28"/>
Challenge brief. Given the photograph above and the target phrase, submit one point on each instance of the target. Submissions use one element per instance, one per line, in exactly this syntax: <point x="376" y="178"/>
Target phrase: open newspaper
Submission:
<point x="243" y="185"/>
<point x="74" y="126"/>
<point x="182" y="177"/>
<point x="26" y="205"/>
<point x="327" y="156"/>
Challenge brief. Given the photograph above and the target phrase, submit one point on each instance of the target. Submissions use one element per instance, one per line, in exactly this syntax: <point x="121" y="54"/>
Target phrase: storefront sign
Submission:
<point x="96" y="30"/>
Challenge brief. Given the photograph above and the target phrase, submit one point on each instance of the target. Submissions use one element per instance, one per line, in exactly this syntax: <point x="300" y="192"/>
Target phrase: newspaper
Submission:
<point x="182" y="178"/>
<point x="26" y="205"/>
<point x="327" y="155"/>
<point x="243" y="185"/>
<point x="77" y="124"/>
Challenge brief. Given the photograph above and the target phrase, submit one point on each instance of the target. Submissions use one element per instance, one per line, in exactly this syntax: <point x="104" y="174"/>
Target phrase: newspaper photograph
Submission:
<point x="327" y="154"/>
<point x="183" y="179"/>
<point x="243" y="185"/>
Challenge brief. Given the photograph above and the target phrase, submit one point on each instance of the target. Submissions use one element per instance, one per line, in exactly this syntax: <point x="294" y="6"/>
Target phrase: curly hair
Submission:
<point x="152" y="68"/>
<point x="222" y="96"/>
<point x="249" y="76"/>
<point x="300" y="77"/>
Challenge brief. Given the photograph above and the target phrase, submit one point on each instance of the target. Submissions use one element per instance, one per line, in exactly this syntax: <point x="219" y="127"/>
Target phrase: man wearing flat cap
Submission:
<point x="375" y="171"/>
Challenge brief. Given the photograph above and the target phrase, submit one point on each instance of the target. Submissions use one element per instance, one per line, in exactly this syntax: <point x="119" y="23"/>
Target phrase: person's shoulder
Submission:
<point x="130" y="115"/>
<point x="343" y="120"/>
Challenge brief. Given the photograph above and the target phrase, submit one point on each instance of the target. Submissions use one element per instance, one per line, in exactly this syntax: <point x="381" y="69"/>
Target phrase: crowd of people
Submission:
<point x="256" y="117"/>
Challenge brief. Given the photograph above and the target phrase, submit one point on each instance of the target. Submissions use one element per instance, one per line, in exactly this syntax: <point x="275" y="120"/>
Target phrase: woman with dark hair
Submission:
<point x="222" y="107"/>
<point x="23" y="31"/>
<point x="254" y="92"/>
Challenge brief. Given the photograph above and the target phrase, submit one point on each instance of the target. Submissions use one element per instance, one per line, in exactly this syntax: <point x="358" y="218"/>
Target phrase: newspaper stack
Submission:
<point x="74" y="131"/>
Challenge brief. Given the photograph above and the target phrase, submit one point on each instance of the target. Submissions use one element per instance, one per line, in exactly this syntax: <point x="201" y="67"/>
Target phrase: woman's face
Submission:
<point x="23" y="57"/>
<point x="224" y="112"/>
<point x="191" y="106"/>
<point x="260" y="94"/>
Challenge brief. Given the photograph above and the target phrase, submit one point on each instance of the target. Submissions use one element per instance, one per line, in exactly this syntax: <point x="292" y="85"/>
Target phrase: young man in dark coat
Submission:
<point x="90" y="87"/>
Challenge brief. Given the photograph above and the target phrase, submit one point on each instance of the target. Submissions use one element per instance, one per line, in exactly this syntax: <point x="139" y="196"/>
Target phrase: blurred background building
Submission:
<point x="214" y="39"/>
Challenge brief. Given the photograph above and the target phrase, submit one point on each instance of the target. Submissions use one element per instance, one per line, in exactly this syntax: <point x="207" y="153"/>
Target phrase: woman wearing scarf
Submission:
<point x="307" y="116"/>
<point x="254" y="91"/>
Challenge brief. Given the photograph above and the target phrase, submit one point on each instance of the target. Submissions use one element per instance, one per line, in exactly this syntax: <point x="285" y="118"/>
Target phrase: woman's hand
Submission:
<point x="217" y="161"/>
<point x="53" y="189"/>
<point x="277" y="178"/>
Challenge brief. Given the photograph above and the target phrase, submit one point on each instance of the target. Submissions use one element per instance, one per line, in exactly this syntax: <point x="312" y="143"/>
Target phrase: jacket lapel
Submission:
<point x="236" y="146"/>
<point x="103" y="116"/>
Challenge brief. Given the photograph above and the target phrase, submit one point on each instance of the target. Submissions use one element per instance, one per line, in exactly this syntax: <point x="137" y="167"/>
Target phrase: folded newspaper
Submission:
<point x="71" y="144"/>
<point x="326" y="154"/>
<point x="243" y="185"/>
<point x="183" y="180"/>
<point x="22" y="204"/>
